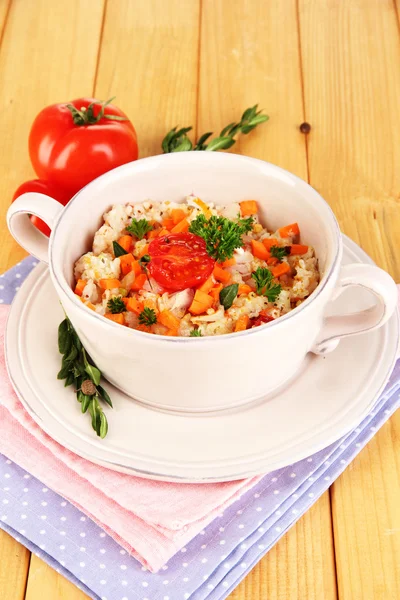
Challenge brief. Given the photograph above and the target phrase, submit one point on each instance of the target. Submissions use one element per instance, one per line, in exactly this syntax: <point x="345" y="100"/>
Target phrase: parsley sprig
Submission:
<point x="147" y="317"/>
<point x="139" y="228"/>
<point x="195" y="333"/>
<point x="77" y="368"/>
<point x="279" y="251"/>
<point x="221" y="235"/>
<point x="177" y="140"/>
<point x="265" y="285"/>
<point x="116" y="305"/>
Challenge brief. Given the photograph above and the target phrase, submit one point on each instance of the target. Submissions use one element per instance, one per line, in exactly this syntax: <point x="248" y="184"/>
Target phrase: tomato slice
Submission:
<point x="179" y="261"/>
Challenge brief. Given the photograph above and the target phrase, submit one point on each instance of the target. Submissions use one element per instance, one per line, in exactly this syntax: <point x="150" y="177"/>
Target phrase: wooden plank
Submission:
<point x="148" y="60"/>
<point x="45" y="583"/>
<point x="48" y="54"/>
<point x="298" y="567"/>
<point x="351" y="60"/>
<point x="249" y="56"/>
<point x="14" y="565"/>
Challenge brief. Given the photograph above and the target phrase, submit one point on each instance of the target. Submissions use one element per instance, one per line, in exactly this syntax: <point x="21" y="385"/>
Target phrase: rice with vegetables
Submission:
<point x="194" y="269"/>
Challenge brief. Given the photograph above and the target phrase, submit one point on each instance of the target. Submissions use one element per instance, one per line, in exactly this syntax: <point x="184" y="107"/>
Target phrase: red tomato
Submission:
<point x="42" y="187"/>
<point x="260" y="320"/>
<point x="72" y="144"/>
<point x="179" y="261"/>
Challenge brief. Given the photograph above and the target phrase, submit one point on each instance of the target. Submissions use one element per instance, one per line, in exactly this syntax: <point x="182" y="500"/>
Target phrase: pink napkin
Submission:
<point x="152" y="520"/>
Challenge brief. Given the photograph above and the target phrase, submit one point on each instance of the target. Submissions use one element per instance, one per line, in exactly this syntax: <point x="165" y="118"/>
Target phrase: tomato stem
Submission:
<point x="85" y="116"/>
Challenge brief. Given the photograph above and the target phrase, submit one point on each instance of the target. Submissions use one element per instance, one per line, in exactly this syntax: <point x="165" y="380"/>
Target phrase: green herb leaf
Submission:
<point x="73" y="353"/>
<point x="104" y="395"/>
<point x="174" y="140"/>
<point x="64" y="337"/>
<point x="86" y="400"/>
<point x="116" y="305"/>
<point x="148" y="317"/>
<point x="279" y="251"/>
<point x="222" y="236"/>
<point x="70" y="379"/>
<point x="103" y="425"/>
<point x="64" y="372"/>
<point x="228" y="294"/>
<point x="139" y="228"/>
<point x="265" y="286"/>
<point x="118" y="250"/>
<point x="195" y="333"/>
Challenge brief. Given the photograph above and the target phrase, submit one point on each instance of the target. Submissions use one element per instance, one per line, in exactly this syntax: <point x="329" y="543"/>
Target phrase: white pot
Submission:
<point x="203" y="374"/>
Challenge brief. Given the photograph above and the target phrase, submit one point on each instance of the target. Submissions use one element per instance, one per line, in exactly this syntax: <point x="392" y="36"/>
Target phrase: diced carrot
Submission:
<point x="248" y="207"/>
<point x="289" y="231"/>
<point x="118" y="318"/>
<point x="177" y="214"/>
<point x="80" y="286"/>
<point x="269" y="242"/>
<point x="109" y="284"/>
<point x="134" y="305"/>
<point x="214" y="292"/>
<point x="221" y="275"/>
<point x="144" y="251"/>
<point x="244" y="289"/>
<point x="181" y="227"/>
<point x="172" y="332"/>
<point x="88" y="304"/>
<point x="168" y="223"/>
<point x="280" y="269"/>
<point x="259" y="250"/>
<point x="127" y="263"/>
<point x="228" y="263"/>
<point x="272" y="260"/>
<point x="144" y="328"/>
<point x="149" y="303"/>
<point x="163" y="231"/>
<point x="203" y="206"/>
<point x="242" y="323"/>
<point x="201" y="302"/>
<point x="298" y="249"/>
<point x="126" y="242"/>
<point x="139" y="282"/>
<point x="153" y="234"/>
<point x="207" y="285"/>
<point x="168" y="319"/>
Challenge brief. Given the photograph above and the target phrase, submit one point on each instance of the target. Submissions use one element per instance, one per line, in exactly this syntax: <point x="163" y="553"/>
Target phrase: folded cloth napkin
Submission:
<point x="210" y="565"/>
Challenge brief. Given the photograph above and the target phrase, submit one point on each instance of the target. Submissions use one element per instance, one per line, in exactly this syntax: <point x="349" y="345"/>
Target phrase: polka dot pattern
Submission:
<point x="210" y="565"/>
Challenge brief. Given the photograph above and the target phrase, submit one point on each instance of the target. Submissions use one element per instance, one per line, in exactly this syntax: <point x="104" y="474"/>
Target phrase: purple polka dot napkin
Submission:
<point x="210" y="565"/>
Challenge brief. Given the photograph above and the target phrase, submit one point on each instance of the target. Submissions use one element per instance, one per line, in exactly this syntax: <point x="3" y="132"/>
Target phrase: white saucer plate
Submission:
<point x="328" y="398"/>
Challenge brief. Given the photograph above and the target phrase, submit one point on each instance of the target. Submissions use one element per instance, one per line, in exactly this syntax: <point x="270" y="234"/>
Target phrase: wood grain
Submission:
<point x="45" y="583"/>
<point x="148" y="60"/>
<point x="250" y="56"/>
<point x="48" y="54"/>
<point x="298" y="567"/>
<point x="352" y="96"/>
<point x="14" y="566"/>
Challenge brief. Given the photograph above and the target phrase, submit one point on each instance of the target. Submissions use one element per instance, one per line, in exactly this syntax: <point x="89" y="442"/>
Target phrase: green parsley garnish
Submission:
<point x="139" y="228"/>
<point x="143" y="262"/>
<point x="279" y="251"/>
<point x="147" y="317"/>
<point x="265" y="286"/>
<point x="116" y="305"/>
<point x="222" y="236"/>
<point x="195" y="333"/>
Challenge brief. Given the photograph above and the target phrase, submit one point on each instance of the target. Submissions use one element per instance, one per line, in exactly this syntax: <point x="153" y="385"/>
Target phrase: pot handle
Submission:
<point x="368" y="277"/>
<point x="23" y="230"/>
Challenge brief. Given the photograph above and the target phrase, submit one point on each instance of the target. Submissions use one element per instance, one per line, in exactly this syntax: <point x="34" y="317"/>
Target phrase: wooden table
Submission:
<point x="332" y="63"/>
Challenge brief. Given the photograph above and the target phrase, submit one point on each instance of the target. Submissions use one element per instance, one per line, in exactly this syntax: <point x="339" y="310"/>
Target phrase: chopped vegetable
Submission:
<point x="279" y="251"/>
<point x="298" y="249"/>
<point x="139" y="228"/>
<point x="281" y="269"/>
<point x="147" y="317"/>
<point x="207" y="285"/>
<point x="248" y="207"/>
<point x="222" y="236"/>
<point x="265" y="286"/>
<point x="229" y="262"/>
<point x="181" y="227"/>
<point x="177" y="215"/>
<point x="242" y="323"/>
<point x="269" y="242"/>
<point x="118" y="318"/>
<point x="201" y="303"/>
<point x="109" y="284"/>
<point x="259" y="250"/>
<point x="244" y="289"/>
<point x="119" y="250"/>
<point x="139" y="282"/>
<point x="168" y="223"/>
<point x="134" y="305"/>
<point x="215" y="291"/>
<point x="168" y="319"/>
<point x="228" y="294"/>
<point x="128" y="263"/>
<point x="126" y="242"/>
<point x="221" y="275"/>
<point x="195" y="333"/>
<point x="116" y="305"/>
<point x="289" y="231"/>
<point x="80" y="286"/>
